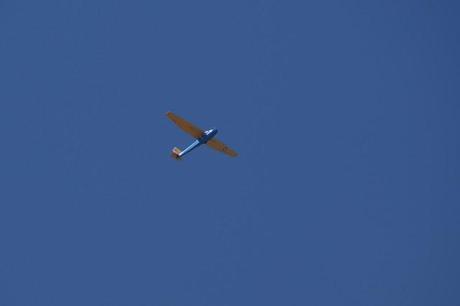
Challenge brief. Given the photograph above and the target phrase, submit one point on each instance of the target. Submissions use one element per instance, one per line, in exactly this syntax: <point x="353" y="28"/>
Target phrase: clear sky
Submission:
<point x="345" y="114"/>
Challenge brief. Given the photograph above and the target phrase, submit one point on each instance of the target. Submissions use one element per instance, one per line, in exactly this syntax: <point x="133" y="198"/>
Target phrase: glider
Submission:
<point x="201" y="137"/>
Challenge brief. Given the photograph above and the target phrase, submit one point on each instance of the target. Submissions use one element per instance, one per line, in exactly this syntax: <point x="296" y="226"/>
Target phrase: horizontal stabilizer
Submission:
<point x="175" y="153"/>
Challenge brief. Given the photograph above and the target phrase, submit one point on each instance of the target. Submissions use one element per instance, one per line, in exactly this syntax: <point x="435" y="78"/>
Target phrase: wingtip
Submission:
<point x="170" y="115"/>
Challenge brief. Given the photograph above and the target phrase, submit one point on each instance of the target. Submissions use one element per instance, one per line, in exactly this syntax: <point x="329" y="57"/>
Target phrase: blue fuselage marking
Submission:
<point x="207" y="136"/>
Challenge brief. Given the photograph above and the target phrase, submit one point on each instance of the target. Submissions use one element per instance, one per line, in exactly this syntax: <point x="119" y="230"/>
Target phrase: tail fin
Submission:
<point x="175" y="153"/>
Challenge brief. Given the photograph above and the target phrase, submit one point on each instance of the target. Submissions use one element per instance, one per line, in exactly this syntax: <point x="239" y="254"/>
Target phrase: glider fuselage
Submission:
<point x="207" y="136"/>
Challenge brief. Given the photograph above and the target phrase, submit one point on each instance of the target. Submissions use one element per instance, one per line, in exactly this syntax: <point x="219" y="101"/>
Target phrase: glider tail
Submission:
<point x="175" y="153"/>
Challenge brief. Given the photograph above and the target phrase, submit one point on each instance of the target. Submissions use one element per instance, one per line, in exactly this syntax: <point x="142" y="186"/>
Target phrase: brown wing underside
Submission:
<point x="220" y="146"/>
<point x="185" y="125"/>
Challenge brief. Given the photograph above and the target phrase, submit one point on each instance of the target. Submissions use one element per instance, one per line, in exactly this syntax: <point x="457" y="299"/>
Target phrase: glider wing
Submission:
<point x="220" y="146"/>
<point x="185" y="125"/>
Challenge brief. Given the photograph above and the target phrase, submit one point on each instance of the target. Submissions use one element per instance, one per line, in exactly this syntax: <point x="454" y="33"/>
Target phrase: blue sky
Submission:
<point x="345" y="115"/>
